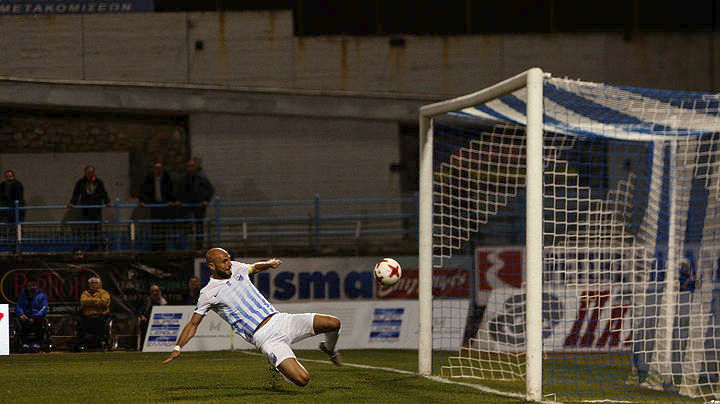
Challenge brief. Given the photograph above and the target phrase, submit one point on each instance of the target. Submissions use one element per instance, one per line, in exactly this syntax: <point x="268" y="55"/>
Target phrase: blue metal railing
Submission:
<point x="217" y="224"/>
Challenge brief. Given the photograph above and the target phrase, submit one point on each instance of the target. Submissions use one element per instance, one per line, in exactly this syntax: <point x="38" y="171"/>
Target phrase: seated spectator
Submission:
<point x="191" y="298"/>
<point x="30" y="311"/>
<point x="95" y="306"/>
<point x="78" y="255"/>
<point x="154" y="299"/>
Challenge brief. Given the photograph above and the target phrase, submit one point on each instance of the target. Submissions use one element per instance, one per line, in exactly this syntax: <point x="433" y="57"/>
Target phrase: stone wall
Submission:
<point x="145" y="138"/>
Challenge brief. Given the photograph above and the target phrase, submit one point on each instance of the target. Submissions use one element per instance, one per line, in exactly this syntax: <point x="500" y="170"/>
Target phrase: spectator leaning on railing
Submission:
<point x="90" y="190"/>
<point x="194" y="187"/>
<point x="157" y="189"/>
<point x="11" y="190"/>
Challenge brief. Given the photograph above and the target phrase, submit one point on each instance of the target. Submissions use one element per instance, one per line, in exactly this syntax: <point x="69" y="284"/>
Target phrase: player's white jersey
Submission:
<point x="236" y="300"/>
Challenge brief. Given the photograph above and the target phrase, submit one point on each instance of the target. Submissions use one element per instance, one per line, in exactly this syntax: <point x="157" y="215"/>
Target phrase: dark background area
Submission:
<point x="462" y="17"/>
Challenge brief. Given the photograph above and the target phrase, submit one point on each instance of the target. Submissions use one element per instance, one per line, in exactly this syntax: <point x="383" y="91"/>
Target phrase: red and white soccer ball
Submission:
<point x="387" y="272"/>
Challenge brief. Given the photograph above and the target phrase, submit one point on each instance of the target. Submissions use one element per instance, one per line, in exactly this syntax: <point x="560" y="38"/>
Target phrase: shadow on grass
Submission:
<point x="395" y="379"/>
<point x="171" y="389"/>
<point x="194" y="392"/>
<point x="205" y="393"/>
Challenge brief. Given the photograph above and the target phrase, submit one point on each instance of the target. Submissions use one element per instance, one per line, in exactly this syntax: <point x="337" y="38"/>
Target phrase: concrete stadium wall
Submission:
<point x="258" y="158"/>
<point x="258" y="49"/>
<point x="254" y="145"/>
<point x="305" y="115"/>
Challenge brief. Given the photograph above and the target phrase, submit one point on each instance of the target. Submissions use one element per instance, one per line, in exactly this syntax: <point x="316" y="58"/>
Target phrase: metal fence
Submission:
<point x="317" y="223"/>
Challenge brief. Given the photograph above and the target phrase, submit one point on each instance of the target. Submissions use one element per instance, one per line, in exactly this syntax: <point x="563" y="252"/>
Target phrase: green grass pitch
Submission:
<point x="570" y="378"/>
<point x="213" y="377"/>
<point x="236" y="377"/>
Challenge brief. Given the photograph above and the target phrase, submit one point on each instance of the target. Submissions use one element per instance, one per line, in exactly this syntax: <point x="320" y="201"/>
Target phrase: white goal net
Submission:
<point x="630" y="241"/>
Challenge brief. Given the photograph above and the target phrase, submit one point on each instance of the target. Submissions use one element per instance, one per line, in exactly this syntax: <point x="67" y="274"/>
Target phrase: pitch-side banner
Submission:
<point x="503" y="267"/>
<point x="350" y="278"/>
<point x="166" y="324"/>
<point x="573" y="319"/>
<point x="4" y="330"/>
<point x="497" y="268"/>
<point x="375" y="324"/>
<point x="304" y="279"/>
<point x="16" y="7"/>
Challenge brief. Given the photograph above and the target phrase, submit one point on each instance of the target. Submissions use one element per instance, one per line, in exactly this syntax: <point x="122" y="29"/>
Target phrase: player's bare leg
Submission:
<point x="330" y="326"/>
<point x="294" y="372"/>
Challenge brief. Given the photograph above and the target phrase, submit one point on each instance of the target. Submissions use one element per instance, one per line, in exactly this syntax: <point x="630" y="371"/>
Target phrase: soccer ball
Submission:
<point x="387" y="272"/>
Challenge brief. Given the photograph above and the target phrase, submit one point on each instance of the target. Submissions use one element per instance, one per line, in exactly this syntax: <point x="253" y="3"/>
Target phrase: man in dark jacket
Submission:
<point x="157" y="189"/>
<point x="90" y="190"/>
<point x="195" y="188"/>
<point x="194" y="286"/>
<point x="30" y="311"/>
<point x="11" y="190"/>
<point x="145" y="310"/>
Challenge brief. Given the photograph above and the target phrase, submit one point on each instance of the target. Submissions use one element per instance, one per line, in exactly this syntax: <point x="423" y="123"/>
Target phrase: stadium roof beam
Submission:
<point x="185" y="99"/>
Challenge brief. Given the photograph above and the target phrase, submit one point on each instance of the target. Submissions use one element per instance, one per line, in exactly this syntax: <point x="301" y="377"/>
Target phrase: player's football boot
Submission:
<point x="334" y="356"/>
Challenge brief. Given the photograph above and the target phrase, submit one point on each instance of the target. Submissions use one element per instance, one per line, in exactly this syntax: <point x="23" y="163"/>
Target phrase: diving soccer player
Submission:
<point x="232" y="296"/>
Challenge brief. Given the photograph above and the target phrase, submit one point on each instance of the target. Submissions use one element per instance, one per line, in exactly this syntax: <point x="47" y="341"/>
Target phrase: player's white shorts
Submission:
<point x="283" y="329"/>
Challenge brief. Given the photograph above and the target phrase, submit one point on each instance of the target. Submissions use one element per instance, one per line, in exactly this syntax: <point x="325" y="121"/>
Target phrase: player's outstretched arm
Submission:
<point x="263" y="265"/>
<point x="187" y="333"/>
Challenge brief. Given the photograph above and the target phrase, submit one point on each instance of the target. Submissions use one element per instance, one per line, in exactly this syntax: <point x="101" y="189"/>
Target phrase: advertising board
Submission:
<point x="372" y="324"/>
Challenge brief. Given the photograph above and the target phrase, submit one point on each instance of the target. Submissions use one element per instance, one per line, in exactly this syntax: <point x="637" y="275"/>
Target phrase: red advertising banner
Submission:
<point x="499" y="267"/>
<point x="60" y="284"/>
<point x="573" y="319"/>
<point x="447" y="282"/>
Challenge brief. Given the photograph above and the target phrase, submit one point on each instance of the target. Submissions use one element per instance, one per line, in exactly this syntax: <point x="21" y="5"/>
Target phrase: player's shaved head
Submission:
<point x="215" y="254"/>
<point x="218" y="261"/>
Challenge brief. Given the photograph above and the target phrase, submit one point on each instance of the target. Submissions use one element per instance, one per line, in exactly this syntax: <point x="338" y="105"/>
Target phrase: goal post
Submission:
<point x="587" y="214"/>
<point x="533" y="79"/>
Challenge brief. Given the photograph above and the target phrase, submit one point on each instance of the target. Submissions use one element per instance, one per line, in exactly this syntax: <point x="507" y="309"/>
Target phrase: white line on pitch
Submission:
<point x="406" y="372"/>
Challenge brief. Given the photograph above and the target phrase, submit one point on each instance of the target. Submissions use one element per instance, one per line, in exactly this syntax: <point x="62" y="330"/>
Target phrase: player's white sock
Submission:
<point x="331" y="339"/>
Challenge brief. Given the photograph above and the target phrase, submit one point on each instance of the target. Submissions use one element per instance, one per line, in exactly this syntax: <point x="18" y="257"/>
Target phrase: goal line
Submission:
<point x="407" y="372"/>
